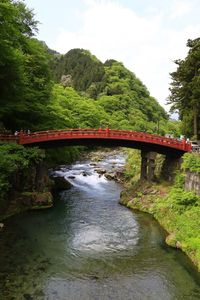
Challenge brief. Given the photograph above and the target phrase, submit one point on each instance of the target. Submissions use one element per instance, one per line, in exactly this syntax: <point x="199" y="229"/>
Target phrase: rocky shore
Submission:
<point x="30" y="189"/>
<point x="33" y="189"/>
<point x="116" y="172"/>
<point x="154" y="198"/>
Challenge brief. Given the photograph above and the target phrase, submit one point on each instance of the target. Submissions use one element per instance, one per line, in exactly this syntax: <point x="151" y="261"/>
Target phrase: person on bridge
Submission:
<point x="107" y="131"/>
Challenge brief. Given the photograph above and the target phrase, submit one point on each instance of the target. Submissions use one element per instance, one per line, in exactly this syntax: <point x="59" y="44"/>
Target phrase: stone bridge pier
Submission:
<point x="170" y="166"/>
<point x="148" y="165"/>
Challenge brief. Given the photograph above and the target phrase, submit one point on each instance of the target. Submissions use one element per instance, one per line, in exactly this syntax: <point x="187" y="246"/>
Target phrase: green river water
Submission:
<point x="91" y="248"/>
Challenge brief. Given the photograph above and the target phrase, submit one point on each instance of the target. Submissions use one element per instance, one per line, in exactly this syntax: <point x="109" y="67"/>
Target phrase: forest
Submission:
<point x="41" y="89"/>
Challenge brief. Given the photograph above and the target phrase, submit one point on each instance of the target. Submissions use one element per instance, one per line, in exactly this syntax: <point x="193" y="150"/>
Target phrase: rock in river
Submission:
<point x="61" y="184"/>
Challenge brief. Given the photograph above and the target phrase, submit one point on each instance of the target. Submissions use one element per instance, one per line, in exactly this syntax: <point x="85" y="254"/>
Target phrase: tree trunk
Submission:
<point x="195" y="123"/>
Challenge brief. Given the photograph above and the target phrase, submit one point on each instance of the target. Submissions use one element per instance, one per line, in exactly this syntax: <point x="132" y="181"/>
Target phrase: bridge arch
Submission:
<point x="147" y="143"/>
<point x="123" y="138"/>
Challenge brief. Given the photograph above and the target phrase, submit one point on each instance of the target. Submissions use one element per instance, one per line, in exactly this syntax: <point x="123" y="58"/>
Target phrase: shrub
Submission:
<point x="191" y="161"/>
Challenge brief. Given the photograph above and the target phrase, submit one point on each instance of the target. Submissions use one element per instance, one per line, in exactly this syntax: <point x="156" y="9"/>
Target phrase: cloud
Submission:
<point x="180" y="8"/>
<point x="144" y="44"/>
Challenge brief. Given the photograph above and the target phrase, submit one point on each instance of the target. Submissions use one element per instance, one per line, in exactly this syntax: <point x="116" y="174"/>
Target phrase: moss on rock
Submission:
<point x="37" y="200"/>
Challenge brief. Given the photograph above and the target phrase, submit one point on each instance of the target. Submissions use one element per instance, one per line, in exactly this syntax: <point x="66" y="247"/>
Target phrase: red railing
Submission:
<point x="53" y="135"/>
<point x="9" y="138"/>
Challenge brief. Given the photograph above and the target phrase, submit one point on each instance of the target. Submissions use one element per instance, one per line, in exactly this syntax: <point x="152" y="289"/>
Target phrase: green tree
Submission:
<point x="185" y="88"/>
<point x="85" y="69"/>
<point x="24" y="68"/>
<point x="68" y="109"/>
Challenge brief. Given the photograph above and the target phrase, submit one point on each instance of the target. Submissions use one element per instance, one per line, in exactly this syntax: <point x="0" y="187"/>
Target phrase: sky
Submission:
<point x="145" y="35"/>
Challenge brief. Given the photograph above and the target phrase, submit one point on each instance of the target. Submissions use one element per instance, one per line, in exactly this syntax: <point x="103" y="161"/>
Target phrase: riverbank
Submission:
<point x="175" y="209"/>
<point x="88" y="246"/>
<point x="24" y="180"/>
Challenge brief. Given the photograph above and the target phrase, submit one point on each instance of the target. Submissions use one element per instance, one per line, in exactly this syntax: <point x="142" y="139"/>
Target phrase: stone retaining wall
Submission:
<point x="192" y="182"/>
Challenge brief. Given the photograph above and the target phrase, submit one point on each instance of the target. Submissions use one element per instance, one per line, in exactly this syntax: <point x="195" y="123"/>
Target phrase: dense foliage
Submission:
<point x="15" y="158"/>
<point x="127" y="101"/>
<point x="185" y="89"/>
<point x="41" y="89"/>
<point x="133" y="165"/>
<point x="88" y="93"/>
<point x="85" y="69"/>
<point x="176" y="209"/>
<point x="24" y="68"/>
<point x="191" y="162"/>
<point x="179" y="213"/>
<point x="68" y="109"/>
<point x="120" y="97"/>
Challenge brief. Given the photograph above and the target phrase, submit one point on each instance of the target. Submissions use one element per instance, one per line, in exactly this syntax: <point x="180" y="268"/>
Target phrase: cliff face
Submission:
<point x="30" y="189"/>
<point x="192" y="182"/>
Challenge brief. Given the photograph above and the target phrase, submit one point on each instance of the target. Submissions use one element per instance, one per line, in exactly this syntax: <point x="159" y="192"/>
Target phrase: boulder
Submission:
<point x="61" y="184"/>
<point x="100" y="171"/>
<point x="120" y="177"/>
<point x="110" y="176"/>
<point x="42" y="200"/>
<point x="37" y="200"/>
<point x="93" y="164"/>
<point x="71" y="177"/>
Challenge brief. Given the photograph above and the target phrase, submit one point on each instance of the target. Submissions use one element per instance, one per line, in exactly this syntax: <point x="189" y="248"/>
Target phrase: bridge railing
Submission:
<point x="28" y="138"/>
<point x="8" y="138"/>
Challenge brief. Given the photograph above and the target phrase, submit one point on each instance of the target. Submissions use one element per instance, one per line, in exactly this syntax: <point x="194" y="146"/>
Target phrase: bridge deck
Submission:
<point x="39" y="138"/>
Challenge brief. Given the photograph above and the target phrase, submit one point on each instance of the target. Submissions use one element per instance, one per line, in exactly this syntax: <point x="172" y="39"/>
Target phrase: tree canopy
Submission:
<point x="124" y="99"/>
<point x="25" y="84"/>
<point x="185" y="89"/>
<point x="41" y="89"/>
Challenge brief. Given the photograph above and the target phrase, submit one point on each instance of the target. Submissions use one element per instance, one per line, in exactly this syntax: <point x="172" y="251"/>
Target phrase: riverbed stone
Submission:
<point x="110" y="176"/>
<point x="71" y="177"/>
<point x="100" y="171"/>
<point x="61" y="184"/>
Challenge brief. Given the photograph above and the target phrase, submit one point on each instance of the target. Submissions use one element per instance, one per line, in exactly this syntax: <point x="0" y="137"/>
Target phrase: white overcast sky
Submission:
<point x="146" y="35"/>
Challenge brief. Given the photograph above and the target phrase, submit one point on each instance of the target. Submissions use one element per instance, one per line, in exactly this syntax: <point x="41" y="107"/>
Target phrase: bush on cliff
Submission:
<point x="179" y="212"/>
<point x="15" y="158"/>
<point x="176" y="209"/>
<point x="191" y="162"/>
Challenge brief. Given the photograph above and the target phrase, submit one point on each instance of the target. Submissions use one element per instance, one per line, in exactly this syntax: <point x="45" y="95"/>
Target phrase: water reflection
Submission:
<point x="90" y="247"/>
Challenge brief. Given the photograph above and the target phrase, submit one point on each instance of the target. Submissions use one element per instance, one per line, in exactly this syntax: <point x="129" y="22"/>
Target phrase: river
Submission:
<point x="89" y="247"/>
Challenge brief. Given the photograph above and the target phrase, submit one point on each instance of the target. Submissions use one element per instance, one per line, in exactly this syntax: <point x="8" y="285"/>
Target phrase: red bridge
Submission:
<point x="103" y="137"/>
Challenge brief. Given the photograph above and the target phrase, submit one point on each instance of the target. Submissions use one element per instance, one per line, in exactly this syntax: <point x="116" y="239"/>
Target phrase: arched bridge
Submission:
<point x="105" y="137"/>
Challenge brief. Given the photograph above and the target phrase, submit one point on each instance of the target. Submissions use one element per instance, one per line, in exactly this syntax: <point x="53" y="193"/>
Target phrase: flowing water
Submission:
<point x="90" y="247"/>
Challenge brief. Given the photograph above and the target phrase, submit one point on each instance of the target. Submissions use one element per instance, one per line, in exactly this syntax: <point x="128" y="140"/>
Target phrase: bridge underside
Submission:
<point x="146" y="147"/>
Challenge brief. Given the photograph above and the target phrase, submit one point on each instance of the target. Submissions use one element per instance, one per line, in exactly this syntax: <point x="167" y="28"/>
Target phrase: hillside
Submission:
<point x="126" y="102"/>
<point x="41" y="89"/>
